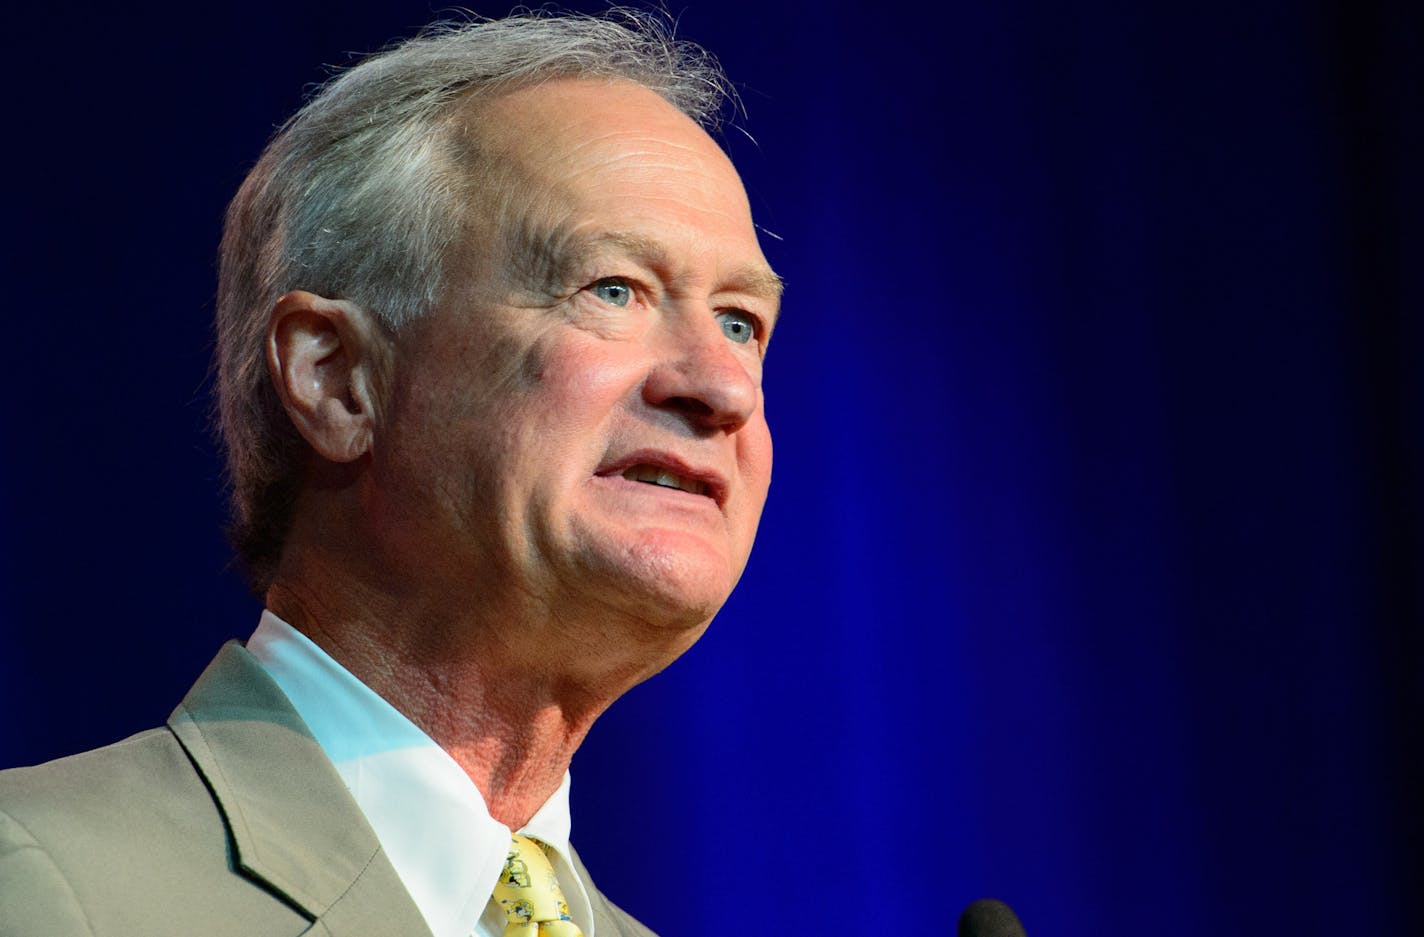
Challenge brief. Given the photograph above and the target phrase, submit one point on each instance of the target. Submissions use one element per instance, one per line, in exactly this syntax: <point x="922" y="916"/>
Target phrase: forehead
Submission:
<point x="568" y="126"/>
<point x="586" y="157"/>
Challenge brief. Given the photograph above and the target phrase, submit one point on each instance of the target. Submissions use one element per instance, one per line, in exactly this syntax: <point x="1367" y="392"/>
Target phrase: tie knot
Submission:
<point x="528" y="893"/>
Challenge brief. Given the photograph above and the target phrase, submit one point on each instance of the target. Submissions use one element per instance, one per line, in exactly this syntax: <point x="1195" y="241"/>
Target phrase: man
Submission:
<point x="491" y="318"/>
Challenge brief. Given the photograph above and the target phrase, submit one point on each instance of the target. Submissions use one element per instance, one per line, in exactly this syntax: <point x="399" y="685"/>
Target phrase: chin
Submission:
<point x="671" y="585"/>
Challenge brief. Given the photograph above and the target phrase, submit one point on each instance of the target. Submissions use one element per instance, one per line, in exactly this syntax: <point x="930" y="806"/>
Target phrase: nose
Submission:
<point x="700" y="375"/>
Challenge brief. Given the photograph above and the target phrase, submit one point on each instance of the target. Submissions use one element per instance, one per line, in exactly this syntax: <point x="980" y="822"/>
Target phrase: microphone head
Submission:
<point x="989" y="918"/>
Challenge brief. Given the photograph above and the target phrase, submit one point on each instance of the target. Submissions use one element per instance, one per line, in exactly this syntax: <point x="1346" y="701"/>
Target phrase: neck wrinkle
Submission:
<point x="510" y="724"/>
<point x="508" y="685"/>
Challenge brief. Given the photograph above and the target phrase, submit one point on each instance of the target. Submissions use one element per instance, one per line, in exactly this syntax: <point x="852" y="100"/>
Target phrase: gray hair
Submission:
<point x="359" y="197"/>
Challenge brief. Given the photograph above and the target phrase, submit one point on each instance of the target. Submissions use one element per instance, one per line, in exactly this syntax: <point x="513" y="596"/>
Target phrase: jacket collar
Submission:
<point x="293" y="824"/>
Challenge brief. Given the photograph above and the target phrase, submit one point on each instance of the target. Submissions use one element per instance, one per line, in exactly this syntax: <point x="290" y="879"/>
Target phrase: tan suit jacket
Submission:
<point x="230" y="820"/>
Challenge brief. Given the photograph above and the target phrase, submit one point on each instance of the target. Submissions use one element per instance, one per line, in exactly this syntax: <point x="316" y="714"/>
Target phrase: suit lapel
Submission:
<point x="608" y="918"/>
<point x="294" y="826"/>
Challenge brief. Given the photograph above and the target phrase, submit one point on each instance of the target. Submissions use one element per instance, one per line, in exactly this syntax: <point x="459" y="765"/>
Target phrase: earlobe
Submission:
<point x="323" y="355"/>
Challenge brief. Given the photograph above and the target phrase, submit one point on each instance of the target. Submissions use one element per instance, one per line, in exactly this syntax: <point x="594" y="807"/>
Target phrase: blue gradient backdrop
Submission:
<point x="1091" y="576"/>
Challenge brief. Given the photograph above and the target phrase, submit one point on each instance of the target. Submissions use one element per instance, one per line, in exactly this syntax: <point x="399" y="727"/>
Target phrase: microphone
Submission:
<point x="989" y="918"/>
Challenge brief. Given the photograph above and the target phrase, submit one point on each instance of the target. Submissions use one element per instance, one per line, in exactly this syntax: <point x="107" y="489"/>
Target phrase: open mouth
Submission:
<point x="652" y="475"/>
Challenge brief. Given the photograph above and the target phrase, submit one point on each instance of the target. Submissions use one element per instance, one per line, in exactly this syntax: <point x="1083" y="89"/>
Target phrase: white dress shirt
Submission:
<point x="429" y="816"/>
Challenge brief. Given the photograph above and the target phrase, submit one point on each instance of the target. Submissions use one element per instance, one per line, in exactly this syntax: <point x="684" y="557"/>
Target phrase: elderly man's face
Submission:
<point x="581" y="420"/>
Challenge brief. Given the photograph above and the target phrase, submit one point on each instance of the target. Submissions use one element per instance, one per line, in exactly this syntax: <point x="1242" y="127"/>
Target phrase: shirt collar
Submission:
<point x="430" y="818"/>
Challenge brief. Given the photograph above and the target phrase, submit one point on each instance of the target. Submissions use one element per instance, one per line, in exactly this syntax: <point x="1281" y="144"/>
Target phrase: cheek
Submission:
<point x="754" y="458"/>
<point x="754" y="449"/>
<point x="580" y="384"/>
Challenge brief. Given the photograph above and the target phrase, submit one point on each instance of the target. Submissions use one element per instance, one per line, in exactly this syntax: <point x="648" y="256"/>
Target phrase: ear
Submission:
<point x="327" y="358"/>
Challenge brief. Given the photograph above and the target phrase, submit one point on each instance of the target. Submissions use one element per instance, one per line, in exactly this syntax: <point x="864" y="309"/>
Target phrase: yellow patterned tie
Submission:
<point x="529" y="894"/>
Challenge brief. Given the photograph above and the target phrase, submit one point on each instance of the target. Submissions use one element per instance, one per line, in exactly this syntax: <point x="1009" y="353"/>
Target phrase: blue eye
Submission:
<point x="613" y="290"/>
<point x="737" y="325"/>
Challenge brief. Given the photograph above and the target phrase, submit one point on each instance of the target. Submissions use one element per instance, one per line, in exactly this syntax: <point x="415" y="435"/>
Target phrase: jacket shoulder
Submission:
<point x="125" y="839"/>
<point x="66" y="783"/>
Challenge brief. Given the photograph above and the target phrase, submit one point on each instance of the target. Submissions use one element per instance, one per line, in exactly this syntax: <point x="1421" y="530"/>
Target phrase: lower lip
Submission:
<point x="626" y="487"/>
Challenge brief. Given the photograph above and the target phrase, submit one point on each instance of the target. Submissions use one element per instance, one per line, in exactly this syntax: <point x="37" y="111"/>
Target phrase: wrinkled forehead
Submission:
<point x="556" y="139"/>
<point x="530" y="119"/>
<point x="540" y="158"/>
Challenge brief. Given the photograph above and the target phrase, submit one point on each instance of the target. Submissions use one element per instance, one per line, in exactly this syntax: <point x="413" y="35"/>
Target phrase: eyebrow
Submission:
<point x="753" y="278"/>
<point x="555" y="251"/>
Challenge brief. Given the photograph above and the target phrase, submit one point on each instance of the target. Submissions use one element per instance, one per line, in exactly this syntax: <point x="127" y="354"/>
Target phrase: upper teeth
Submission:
<point x="657" y="476"/>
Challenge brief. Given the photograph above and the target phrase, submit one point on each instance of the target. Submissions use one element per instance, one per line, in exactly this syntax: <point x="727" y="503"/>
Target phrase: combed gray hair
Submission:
<point x="359" y="197"/>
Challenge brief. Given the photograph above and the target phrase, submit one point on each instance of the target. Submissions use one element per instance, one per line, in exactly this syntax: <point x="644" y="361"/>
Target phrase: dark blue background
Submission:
<point x="1091" y="575"/>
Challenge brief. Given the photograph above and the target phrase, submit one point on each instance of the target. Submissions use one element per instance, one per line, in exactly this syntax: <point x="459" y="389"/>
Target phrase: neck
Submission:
<point x="510" y="694"/>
